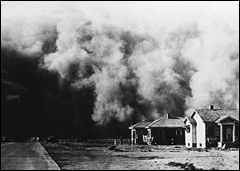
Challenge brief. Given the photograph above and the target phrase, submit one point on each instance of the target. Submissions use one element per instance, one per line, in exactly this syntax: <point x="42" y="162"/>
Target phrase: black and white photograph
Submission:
<point x="119" y="85"/>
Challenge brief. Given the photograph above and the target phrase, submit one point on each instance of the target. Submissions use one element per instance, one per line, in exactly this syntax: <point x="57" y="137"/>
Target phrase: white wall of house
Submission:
<point x="200" y="131"/>
<point x="189" y="135"/>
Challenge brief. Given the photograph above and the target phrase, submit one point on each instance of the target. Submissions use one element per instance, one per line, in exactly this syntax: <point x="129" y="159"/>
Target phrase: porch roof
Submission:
<point x="142" y="124"/>
<point x="222" y="118"/>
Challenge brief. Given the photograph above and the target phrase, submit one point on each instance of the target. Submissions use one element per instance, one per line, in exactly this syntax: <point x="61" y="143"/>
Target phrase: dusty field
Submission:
<point x="80" y="156"/>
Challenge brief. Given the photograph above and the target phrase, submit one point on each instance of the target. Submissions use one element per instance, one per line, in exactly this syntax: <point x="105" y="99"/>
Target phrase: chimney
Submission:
<point x="211" y="107"/>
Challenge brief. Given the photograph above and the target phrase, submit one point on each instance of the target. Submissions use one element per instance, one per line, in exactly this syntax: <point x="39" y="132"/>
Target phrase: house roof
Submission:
<point x="164" y="121"/>
<point x="131" y="127"/>
<point x="142" y="125"/>
<point x="192" y="121"/>
<point x="214" y="115"/>
<point x="167" y="121"/>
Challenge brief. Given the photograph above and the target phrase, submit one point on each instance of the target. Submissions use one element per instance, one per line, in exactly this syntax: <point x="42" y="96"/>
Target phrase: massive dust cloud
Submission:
<point x="142" y="60"/>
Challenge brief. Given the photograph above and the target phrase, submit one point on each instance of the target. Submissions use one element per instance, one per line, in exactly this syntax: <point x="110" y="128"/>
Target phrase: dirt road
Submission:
<point x="26" y="156"/>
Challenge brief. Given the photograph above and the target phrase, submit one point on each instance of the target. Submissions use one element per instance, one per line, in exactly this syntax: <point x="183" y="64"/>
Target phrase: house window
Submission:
<point x="178" y="132"/>
<point x="188" y="128"/>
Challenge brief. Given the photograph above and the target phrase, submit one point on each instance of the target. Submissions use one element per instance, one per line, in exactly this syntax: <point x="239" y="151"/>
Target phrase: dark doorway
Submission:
<point x="227" y="133"/>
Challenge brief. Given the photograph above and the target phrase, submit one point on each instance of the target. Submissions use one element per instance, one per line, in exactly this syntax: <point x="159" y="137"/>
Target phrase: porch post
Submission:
<point x="234" y="127"/>
<point x="221" y="135"/>
<point x="132" y="140"/>
<point x="149" y="132"/>
<point x="135" y="137"/>
<point x="149" y="136"/>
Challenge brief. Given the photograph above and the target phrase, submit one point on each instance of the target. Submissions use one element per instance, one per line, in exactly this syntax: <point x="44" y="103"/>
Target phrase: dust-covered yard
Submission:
<point x="86" y="156"/>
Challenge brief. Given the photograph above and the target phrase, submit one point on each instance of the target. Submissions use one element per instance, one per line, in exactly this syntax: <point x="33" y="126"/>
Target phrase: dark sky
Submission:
<point x="45" y="106"/>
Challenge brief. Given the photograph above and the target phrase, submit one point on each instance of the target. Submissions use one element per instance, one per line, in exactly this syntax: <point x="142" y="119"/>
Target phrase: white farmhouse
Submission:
<point x="211" y="128"/>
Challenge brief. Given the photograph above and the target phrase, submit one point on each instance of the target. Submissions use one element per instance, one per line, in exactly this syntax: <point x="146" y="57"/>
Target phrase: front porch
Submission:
<point x="224" y="131"/>
<point x="229" y="132"/>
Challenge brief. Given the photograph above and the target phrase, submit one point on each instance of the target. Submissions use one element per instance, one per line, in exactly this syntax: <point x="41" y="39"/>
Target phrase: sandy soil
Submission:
<point x="81" y="156"/>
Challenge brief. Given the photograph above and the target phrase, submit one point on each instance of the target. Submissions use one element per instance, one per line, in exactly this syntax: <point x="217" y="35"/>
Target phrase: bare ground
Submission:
<point x="82" y="156"/>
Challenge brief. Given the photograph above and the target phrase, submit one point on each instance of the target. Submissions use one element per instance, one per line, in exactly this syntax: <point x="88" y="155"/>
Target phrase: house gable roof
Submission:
<point x="166" y="121"/>
<point x="154" y="122"/>
<point x="191" y="120"/>
<point x="223" y="118"/>
<point x="142" y="125"/>
<point x="213" y="115"/>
